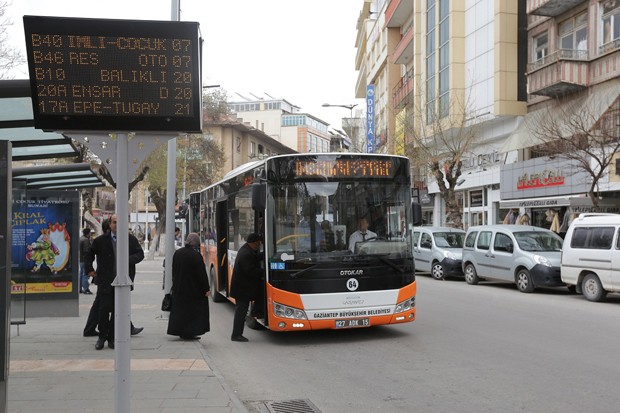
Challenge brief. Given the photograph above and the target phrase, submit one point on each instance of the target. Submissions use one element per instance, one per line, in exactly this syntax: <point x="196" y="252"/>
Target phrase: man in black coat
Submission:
<point x="104" y="249"/>
<point x="90" y="330"/>
<point x="189" y="315"/>
<point x="246" y="282"/>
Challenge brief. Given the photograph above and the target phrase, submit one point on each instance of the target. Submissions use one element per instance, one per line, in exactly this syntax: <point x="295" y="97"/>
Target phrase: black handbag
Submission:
<point x="166" y="304"/>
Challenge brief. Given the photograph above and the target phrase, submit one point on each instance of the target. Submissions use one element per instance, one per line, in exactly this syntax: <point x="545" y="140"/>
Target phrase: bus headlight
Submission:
<point x="285" y="311"/>
<point x="406" y="305"/>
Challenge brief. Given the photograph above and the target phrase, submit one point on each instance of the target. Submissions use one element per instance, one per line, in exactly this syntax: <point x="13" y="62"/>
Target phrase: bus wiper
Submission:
<point x="297" y="274"/>
<point x="391" y="264"/>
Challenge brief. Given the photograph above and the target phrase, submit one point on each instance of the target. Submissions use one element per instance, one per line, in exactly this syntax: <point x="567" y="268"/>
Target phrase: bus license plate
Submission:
<point x="352" y="323"/>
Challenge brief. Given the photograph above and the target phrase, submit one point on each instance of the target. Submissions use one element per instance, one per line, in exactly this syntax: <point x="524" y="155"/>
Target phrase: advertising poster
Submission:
<point x="45" y="228"/>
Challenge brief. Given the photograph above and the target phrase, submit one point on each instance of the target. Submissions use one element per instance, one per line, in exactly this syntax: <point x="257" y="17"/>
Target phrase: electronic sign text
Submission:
<point x="114" y="75"/>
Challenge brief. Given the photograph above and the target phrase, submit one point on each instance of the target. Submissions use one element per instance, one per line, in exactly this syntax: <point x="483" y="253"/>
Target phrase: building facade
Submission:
<point x="573" y="76"/>
<point x="447" y="59"/>
<point x="283" y="121"/>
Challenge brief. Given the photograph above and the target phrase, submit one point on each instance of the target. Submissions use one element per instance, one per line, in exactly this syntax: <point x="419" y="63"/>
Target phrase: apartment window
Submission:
<point x="252" y="148"/>
<point x="611" y="20"/>
<point x="541" y="47"/>
<point x="573" y="33"/>
<point x="444" y="56"/>
<point x="431" y="55"/>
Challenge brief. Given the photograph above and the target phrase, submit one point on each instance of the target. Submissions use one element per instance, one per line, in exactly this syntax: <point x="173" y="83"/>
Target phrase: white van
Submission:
<point x="525" y="255"/>
<point x="591" y="255"/>
<point x="437" y="250"/>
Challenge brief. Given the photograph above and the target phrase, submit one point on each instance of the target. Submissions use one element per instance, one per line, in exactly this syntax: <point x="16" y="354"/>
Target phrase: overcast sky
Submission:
<point x="302" y="51"/>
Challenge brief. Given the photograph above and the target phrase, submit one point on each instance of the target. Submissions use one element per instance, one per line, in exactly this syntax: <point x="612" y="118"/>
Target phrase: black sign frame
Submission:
<point x="126" y="120"/>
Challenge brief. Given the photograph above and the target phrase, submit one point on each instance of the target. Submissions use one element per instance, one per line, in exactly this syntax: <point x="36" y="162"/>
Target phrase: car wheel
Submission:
<point x="217" y="297"/>
<point x="437" y="271"/>
<point x="524" y="281"/>
<point x="471" y="277"/>
<point x="592" y="288"/>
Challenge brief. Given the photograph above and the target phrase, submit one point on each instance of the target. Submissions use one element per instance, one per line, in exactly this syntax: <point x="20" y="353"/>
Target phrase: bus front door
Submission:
<point x="221" y="214"/>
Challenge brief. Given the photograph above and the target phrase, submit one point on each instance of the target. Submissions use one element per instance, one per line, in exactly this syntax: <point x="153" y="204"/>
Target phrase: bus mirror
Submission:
<point x="417" y="214"/>
<point x="259" y="194"/>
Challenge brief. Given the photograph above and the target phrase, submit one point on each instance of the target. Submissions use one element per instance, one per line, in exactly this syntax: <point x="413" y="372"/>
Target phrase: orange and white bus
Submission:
<point x="306" y="207"/>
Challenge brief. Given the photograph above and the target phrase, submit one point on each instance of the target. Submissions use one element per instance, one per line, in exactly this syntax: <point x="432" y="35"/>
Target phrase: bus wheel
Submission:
<point x="217" y="297"/>
<point x="592" y="289"/>
<point x="471" y="277"/>
<point x="252" y="323"/>
<point x="524" y="281"/>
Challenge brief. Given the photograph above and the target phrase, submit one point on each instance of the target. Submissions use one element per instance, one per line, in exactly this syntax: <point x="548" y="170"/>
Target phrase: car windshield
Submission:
<point x="449" y="239"/>
<point x="538" y="241"/>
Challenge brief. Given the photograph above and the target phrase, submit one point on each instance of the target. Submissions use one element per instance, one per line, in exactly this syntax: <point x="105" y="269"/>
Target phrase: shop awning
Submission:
<point x="592" y="105"/>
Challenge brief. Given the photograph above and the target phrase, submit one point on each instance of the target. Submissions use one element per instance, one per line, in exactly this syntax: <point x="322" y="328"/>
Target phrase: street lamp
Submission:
<point x="350" y="107"/>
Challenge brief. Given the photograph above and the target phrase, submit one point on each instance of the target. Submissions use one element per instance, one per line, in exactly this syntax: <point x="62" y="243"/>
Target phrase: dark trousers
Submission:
<point x="241" y="310"/>
<point x="93" y="319"/>
<point x="106" y="316"/>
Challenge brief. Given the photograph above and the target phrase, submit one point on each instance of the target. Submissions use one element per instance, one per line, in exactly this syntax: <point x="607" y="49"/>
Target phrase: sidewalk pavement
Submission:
<point x="53" y="368"/>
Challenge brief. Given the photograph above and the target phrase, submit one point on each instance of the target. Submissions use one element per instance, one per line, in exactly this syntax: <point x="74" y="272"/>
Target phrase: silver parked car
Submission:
<point x="437" y="250"/>
<point x="525" y="255"/>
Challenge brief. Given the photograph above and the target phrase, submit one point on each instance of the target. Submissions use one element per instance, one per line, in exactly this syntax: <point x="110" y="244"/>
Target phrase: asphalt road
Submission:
<point x="484" y="348"/>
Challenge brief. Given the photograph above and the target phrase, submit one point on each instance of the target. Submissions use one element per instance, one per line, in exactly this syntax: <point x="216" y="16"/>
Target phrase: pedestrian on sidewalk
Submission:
<point x="104" y="249"/>
<point x="84" y="251"/>
<point x="90" y="329"/>
<point x="189" y="315"/>
<point x="245" y="285"/>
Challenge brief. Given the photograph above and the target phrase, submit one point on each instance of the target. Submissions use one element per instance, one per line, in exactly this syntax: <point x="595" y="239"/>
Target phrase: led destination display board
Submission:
<point x="114" y="75"/>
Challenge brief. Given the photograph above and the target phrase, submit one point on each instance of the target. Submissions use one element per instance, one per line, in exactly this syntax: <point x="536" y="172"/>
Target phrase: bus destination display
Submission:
<point x="342" y="168"/>
<point x="114" y="75"/>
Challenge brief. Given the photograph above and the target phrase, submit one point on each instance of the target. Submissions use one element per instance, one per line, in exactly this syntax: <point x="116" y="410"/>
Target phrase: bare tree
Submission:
<point x="10" y="57"/>
<point x="436" y="140"/>
<point x="575" y="130"/>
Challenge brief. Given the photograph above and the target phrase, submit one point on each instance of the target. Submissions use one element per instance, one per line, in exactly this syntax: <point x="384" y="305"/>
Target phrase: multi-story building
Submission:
<point x="573" y="75"/>
<point x="242" y="142"/>
<point x="444" y="59"/>
<point x="374" y="62"/>
<point x="284" y="122"/>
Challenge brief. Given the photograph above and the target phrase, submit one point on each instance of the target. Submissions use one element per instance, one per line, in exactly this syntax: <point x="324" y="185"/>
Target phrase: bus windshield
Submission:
<point x="320" y="220"/>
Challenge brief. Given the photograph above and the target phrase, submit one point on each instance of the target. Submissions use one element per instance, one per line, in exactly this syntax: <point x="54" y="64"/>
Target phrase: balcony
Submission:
<point x="403" y="91"/>
<point x="551" y="8"/>
<point x="558" y="74"/>
<point x="397" y="12"/>
<point x="404" y="49"/>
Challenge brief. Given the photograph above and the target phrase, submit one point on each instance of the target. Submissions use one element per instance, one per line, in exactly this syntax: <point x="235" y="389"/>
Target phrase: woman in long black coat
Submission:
<point x="189" y="316"/>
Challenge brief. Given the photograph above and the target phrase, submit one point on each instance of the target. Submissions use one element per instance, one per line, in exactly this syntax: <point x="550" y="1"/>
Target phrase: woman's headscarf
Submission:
<point x="192" y="240"/>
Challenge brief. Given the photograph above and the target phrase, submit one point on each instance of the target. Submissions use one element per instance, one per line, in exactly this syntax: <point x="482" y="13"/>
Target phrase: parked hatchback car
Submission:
<point x="525" y="255"/>
<point x="438" y="251"/>
<point x="591" y="255"/>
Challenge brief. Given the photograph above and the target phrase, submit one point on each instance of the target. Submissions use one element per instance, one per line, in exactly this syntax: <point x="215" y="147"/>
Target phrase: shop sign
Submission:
<point x="546" y="178"/>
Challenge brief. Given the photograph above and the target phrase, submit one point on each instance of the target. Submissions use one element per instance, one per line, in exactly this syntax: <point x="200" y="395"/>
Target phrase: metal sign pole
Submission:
<point x="122" y="284"/>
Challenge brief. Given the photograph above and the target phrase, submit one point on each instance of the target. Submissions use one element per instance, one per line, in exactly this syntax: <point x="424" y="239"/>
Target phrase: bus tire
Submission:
<point x="217" y="297"/>
<point x="252" y="323"/>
